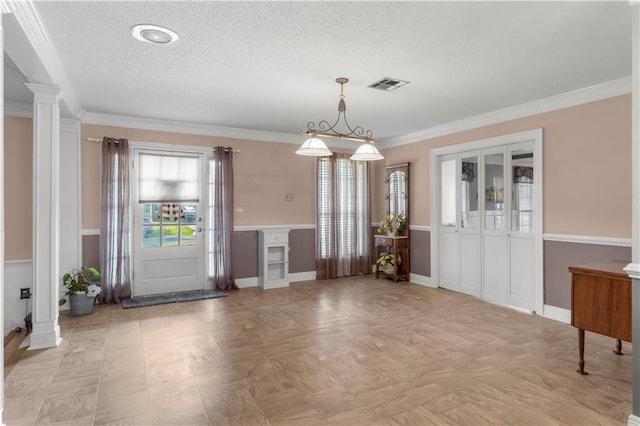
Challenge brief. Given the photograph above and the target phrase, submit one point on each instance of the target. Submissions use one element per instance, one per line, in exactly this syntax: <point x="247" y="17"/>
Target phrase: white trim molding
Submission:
<point x="425" y="228"/>
<point x="633" y="420"/>
<point x="302" y="276"/>
<point x="588" y="239"/>
<point x="52" y="71"/>
<point x="594" y="93"/>
<point x="293" y="277"/>
<point x="421" y="280"/>
<point x="585" y="95"/>
<point x="90" y="232"/>
<point x="247" y="282"/>
<point x="556" y="313"/>
<point x="633" y="270"/>
<point x="188" y="128"/>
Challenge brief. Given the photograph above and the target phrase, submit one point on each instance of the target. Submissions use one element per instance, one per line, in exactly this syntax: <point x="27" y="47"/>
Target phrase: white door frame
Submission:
<point x="206" y="152"/>
<point x="535" y="136"/>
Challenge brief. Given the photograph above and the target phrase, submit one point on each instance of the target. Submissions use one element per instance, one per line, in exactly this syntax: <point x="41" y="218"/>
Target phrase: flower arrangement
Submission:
<point x="388" y="259"/>
<point x="84" y="280"/>
<point x="392" y="223"/>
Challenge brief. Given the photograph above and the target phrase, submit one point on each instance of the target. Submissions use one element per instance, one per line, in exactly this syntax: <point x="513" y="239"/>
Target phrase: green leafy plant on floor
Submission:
<point x="85" y="280"/>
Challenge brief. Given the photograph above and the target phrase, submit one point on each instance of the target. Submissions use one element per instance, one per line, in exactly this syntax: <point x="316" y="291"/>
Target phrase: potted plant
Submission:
<point x="391" y="224"/>
<point x="83" y="285"/>
<point x="389" y="262"/>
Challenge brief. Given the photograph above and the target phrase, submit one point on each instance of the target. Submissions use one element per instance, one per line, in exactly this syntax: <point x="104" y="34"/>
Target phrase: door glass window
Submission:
<point x="448" y="192"/>
<point x="522" y="211"/>
<point x="494" y="191"/>
<point x="169" y="224"/>
<point x="469" y="193"/>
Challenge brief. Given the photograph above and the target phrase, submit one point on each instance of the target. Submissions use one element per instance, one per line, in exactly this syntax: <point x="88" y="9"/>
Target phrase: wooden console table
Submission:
<point x="399" y="246"/>
<point x="601" y="303"/>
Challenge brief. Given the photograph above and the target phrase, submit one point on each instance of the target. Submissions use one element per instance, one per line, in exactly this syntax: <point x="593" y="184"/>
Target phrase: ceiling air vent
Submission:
<point x="388" y="83"/>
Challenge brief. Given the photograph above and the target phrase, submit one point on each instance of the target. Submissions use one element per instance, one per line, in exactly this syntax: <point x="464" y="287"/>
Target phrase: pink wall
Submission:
<point x="587" y="167"/>
<point x="263" y="174"/>
<point x="587" y="172"/>
<point x="18" y="152"/>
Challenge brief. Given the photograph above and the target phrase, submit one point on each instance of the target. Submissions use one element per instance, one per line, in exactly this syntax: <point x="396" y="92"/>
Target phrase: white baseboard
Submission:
<point x="558" y="314"/>
<point x="293" y="278"/>
<point x="302" y="276"/>
<point x="421" y="280"/>
<point x="633" y="420"/>
<point x="279" y="284"/>
<point x="247" y="282"/>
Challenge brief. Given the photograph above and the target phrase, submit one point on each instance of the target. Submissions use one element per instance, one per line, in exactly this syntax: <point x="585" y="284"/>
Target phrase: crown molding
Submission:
<point x="594" y="93"/>
<point x="188" y="128"/>
<point x="30" y="23"/>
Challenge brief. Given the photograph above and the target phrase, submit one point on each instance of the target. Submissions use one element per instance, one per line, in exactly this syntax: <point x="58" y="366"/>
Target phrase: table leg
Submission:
<point x="618" y="350"/>
<point x="581" y="352"/>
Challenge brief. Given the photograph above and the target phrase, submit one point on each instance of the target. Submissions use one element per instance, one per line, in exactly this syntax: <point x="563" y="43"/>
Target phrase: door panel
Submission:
<point x="495" y="269"/>
<point x="470" y="239"/>
<point x="449" y="239"/>
<point x="449" y="265"/>
<point x="471" y="264"/>
<point x="495" y="242"/>
<point x="168" y="243"/>
<point x="522" y="273"/>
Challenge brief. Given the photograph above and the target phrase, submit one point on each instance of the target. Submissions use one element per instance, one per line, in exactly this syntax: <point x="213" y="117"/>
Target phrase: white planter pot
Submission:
<point x="81" y="304"/>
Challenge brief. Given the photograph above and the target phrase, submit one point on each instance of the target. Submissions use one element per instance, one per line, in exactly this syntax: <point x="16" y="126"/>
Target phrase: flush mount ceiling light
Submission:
<point x="154" y="34"/>
<point x="314" y="146"/>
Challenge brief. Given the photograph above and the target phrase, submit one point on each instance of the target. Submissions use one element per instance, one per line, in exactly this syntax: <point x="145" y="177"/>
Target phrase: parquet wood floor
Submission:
<point x="353" y="351"/>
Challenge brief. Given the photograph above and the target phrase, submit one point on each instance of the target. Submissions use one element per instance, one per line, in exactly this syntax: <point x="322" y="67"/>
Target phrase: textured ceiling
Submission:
<point x="270" y="66"/>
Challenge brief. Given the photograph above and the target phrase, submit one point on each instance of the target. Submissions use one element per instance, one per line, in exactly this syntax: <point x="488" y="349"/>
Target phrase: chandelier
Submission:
<point x="315" y="147"/>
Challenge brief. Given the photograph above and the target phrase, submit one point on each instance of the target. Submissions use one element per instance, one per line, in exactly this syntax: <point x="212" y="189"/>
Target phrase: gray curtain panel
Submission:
<point x="222" y="219"/>
<point x="114" y="228"/>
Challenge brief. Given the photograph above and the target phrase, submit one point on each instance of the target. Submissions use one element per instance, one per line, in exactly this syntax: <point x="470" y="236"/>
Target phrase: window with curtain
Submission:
<point x="343" y="225"/>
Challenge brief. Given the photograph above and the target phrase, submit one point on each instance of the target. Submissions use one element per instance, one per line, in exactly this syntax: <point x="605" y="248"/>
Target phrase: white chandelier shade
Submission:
<point x="367" y="152"/>
<point x="314" y="147"/>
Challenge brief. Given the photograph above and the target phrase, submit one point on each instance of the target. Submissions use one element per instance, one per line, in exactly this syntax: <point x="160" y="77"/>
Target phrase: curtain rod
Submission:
<point x="98" y="140"/>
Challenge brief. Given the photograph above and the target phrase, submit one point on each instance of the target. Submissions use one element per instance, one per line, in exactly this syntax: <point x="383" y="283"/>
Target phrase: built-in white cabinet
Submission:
<point x="273" y="258"/>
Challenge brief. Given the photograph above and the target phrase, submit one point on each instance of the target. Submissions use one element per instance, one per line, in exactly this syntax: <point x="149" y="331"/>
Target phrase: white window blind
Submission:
<point x="342" y="186"/>
<point x="167" y="178"/>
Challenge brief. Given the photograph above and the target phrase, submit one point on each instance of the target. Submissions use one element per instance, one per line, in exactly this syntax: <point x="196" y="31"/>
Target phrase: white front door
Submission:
<point x="168" y="242"/>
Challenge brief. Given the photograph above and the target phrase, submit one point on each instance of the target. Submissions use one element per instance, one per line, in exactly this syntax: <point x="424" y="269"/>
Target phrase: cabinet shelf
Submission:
<point x="273" y="258"/>
<point x="398" y="246"/>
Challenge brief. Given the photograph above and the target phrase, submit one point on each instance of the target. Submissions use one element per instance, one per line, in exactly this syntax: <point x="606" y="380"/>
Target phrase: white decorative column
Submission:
<point x="46" y="213"/>
<point x="70" y="199"/>
<point x="633" y="269"/>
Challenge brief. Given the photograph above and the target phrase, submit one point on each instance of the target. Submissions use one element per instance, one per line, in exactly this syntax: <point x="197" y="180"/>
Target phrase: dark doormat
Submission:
<point x="161" y="299"/>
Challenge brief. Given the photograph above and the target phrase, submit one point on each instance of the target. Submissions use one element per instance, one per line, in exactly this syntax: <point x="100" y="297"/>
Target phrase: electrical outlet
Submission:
<point x="25" y="293"/>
